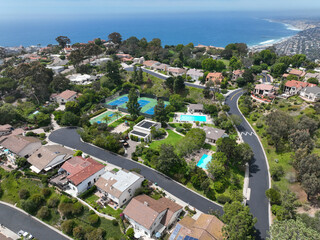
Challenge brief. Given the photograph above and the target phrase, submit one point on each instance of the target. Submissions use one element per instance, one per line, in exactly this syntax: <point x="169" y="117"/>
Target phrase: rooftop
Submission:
<point x="213" y="133"/>
<point x="146" y="124"/>
<point x="17" y="143"/>
<point x="196" y="106"/>
<point x="263" y="86"/>
<point x="67" y="94"/>
<point x="298" y="84"/>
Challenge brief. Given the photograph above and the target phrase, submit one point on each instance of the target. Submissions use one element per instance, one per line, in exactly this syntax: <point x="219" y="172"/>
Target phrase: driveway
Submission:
<point x="258" y="176"/>
<point x="16" y="220"/>
<point x="266" y="78"/>
<point x="69" y="137"/>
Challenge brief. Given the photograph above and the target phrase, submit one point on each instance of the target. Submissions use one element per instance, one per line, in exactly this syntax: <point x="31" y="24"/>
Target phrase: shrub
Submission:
<point x="96" y="234"/>
<point x="29" y="206"/>
<point x="139" y="119"/>
<point x="93" y="219"/>
<point x="46" y="192"/>
<point x="121" y="151"/>
<point x="223" y="199"/>
<point x="274" y="196"/>
<point x="259" y="124"/>
<point x="53" y="202"/>
<point x="224" y="91"/>
<point x="44" y="213"/>
<point x="275" y="209"/>
<point x="37" y="199"/>
<point x="276" y="172"/>
<point x="24" y="194"/>
<point x="88" y="192"/>
<point x="179" y="129"/>
<point x="130" y="233"/>
<point x="9" y="99"/>
<point x="134" y="158"/>
<point x="77" y="208"/>
<point x="254" y="119"/>
<point x="219" y="186"/>
<point x="78" y="233"/>
<point x="68" y="226"/>
<point x="115" y="222"/>
<point x="78" y="153"/>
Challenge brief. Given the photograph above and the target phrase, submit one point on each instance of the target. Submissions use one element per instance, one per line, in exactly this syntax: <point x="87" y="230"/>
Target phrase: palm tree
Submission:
<point x="107" y="119"/>
<point x="117" y="114"/>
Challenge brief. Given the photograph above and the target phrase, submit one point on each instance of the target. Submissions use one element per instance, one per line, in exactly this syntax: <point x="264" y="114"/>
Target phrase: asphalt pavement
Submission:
<point x="258" y="171"/>
<point x="16" y="220"/>
<point x="70" y="138"/>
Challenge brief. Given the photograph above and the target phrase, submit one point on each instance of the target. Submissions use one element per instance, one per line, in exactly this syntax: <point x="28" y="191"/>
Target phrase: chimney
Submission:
<point x="146" y="203"/>
<point x="39" y="155"/>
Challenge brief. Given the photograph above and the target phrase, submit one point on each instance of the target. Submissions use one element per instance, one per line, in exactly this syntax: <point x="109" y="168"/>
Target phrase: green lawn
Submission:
<point x="172" y="139"/>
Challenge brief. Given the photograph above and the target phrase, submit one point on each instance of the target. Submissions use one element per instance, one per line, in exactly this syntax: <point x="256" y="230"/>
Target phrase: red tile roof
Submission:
<point x="67" y="94"/>
<point x="263" y="86"/>
<point x="298" y="84"/>
<point x="80" y="169"/>
<point x="238" y="72"/>
<point x="297" y="72"/>
<point x="216" y="76"/>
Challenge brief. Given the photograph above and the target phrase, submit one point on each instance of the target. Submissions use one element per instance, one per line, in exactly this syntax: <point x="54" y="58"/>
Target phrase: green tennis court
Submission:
<point x="100" y="118"/>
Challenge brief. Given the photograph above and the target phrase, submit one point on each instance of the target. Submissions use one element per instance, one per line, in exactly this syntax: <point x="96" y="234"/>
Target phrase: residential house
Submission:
<point x="139" y="60"/>
<point x="56" y="69"/>
<point x="142" y="130"/>
<point x="213" y="134"/>
<point x="119" y="186"/>
<point x="195" y="74"/>
<point x="237" y="74"/>
<point x="48" y="157"/>
<point x="162" y="67"/>
<point x="150" y="63"/>
<point x="5" y="129"/>
<point x="100" y="61"/>
<point x="64" y="97"/>
<point x="297" y="73"/>
<point x="175" y="71"/>
<point x="312" y="75"/>
<point x="293" y="87"/>
<point x="195" y="108"/>
<point x="206" y="227"/>
<point x="264" y="89"/>
<point x="123" y="55"/>
<point x="20" y="146"/>
<point x="215" y="77"/>
<point x="311" y="94"/>
<point x="81" y="79"/>
<point x="151" y="217"/>
<point x="81" y="174"/>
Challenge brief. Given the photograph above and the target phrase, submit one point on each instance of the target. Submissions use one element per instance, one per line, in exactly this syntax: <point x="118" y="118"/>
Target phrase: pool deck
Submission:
<point x="92" y="120"/>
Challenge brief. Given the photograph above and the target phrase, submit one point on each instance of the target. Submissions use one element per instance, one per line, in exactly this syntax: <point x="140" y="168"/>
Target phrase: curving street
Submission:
<point x="16" y="220"/>
<point x="70" y="138"/>
<point x="258" y="170"/>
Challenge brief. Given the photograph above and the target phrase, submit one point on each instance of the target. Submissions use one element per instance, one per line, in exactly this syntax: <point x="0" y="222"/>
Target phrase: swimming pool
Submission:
<point x="204" y="161"/>
<point x="193" y="118"/>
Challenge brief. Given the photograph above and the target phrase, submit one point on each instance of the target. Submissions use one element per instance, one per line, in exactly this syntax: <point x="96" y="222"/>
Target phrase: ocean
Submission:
<point x="215" y="29"/>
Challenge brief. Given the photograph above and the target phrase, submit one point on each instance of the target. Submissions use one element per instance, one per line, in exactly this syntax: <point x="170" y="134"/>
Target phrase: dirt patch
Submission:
<point x="301" y="194"/>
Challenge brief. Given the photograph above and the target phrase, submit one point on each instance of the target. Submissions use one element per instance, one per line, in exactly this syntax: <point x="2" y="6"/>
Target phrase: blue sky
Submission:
<point x="86" y="8"/>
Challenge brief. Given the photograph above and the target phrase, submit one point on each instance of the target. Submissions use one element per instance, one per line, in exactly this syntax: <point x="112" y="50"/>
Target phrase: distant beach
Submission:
<point x="208" y="29"/>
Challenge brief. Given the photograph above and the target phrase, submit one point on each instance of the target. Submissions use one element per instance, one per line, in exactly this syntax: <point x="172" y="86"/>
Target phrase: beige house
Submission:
<point x="5" y="129"/>
<point x="151" y="217"/>
<point x="64" y="97"/>
<point x="21" y="146"/>
<point x="213" y="134"/>
<point x="119" y="186"/>
<point x="48" y="157"/>
<point x="311" y="94"/>
<point x="206" y="227"/>
<point x="195" y="108"/>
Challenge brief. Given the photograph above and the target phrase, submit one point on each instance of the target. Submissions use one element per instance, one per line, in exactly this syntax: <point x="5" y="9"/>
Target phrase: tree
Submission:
<point x="313" y="80"/>
<point x="107" y="119"/>
<point x="115" y="37"/>
<point x="236" y="119"/>
<point x="130" y="233"/>
<point x="293" y="230"/>
<point x="59" y="83"/>
<point x="134" y="75"/>
<point x="274" y="196"/>
<point x="278" y="69"/>
<point x="193" y="140"/>
<point x="235" y="63"/>
<point x="206" y="92"/>
<point x="244" y="154"/>
<point x="24" y="194"/>
<point x="179" y="85"/>
<point x="21" y="162"/>
<point x="7" y="85"/>
<point x="217" y="166"/>
<point x="209" y="64"/>
<point x="63" y="41"/>
<point x="169" y="82"/>
<point x="140" y="76"/>
<point x="239" y="222"/>
<point x="307" y="123"/>
<point x="72" y="106"/>
<point x="67" y="226"/>
<point x="113" y="74"/>
<point x="160" y="113"/>
<point x="301" y="139"/>
<point x="248" y="76"/>
<point x="44" y="212"/>
<point x="311" y="184"/>
<point x="227" y="146"/>
<point x="79" y="233"/>
<point x="289" y="206"/>
<point x="133" y="105"/>
<point x="168" y="161"/>
<point x="176" y="101"/>
<point x="117" y="114"/>
<point x="276" y="172"/>
<point x="96" y="234"/>
<point x="69" y="119"/>
<point x="76" y="57"/>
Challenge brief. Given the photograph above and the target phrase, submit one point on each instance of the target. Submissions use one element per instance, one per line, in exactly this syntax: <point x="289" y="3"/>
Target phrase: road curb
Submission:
<point x="265" y="155"/>
<point x="47" y="225"/>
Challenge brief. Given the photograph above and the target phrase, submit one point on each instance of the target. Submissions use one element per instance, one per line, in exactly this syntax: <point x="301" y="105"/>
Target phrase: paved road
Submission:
<point x="258" y="180"/>
<point x="16" y="220"/>
<point x="266" y="78"/>
<point x="70" y="137"/>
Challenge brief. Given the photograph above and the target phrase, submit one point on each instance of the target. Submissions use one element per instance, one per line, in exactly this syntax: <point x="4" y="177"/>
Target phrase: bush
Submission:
<point x="53" y="202"/>
<point x="219" y="186"/>
<point x="29" y="206"/>
<point x="130" y="233"/>
<point x="88" y="192"/>
<point x="121" y="151"/>
<point x="115" y="222"/>
<point x="223" y="199"/>
<point x="46" y="192"/>
<point x="224" y="91"/>
<point x="24" y="194"/>
<point x="79" y="233"/>
<point x="276" y="209"/>
<point x="274" y="196"/>
<point x="259" y="124"/>
<point x="9" y="99"/>
<point x="68" y="226"/>
<point x="134" y="158"/>
<point x="139" y="119"/>
<point x="93" y="219"/>
<point x="276" y="172"/>
<point x="37" y="199"/>
<point x="44" y="213"/>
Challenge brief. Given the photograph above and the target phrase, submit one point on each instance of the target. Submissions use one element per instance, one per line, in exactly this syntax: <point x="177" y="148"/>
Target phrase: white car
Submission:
<point x="20" y="233"/>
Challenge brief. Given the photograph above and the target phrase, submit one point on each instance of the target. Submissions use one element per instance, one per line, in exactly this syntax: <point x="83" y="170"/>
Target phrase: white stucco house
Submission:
<point x="81" y="174"/>
<point x="195" y="74"/>
<point x="311" y="94"/>
<point x="119" y="186"/>
<point x="150" y="217"/>
<point x="143" y="129"/>
<point x="64" y="97"/>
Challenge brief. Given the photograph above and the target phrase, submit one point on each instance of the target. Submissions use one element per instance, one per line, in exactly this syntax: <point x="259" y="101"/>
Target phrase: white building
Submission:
<point x="119" y="186"/>
<point x="151" y="217"/>
<point x="311" y="94"/>
<point x="195" y="74"/>
<point x="100" y="61"/>
<point x="81" y="174"/>
<point x="195" y="108"/>
<point x="81" y="79"/>
<point x="143" y="129"/>
<point x="56" y="69"/>
<point x="64" y="97"/>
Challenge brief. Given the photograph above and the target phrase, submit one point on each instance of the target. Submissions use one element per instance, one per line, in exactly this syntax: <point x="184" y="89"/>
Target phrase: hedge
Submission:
<point x="88" y="192"/>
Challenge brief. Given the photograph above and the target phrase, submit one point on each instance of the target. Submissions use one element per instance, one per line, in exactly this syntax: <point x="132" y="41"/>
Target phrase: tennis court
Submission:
<point x="146" y="104"/>
<point x="100" y="118"/>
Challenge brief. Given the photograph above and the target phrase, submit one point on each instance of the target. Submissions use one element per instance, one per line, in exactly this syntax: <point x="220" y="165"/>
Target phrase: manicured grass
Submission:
<point x="117" y="122"/>
<point x="172" y="139"/>
<point x="210" y="147"/>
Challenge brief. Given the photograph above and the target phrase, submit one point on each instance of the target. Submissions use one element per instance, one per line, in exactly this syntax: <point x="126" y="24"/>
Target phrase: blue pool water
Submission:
<point x="204" y="161"/>
<point x="193" y="118"/>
